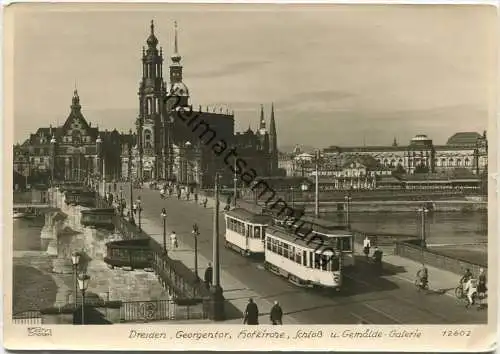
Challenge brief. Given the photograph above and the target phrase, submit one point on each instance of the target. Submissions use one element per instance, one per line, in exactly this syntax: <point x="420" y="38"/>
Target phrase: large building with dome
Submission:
<point x="462" y="160"/>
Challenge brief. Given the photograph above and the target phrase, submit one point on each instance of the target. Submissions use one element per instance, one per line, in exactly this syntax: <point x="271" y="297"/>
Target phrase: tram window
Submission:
<point x="311" y="259"/>
<point x="334" y="264"/>
<point x="298" y="256"/>
<point x="248" y="230"/>
<point x="256" y="232"/>
<point x="285" y="250"/>
<point x="292" y="253"/>
<point x="304" y="258"/>
<point x="344" y="243"/>
<point x="275" y="245"/>
<point x="317" y="261"/>
<point x="280" y="248"/>
<point x="324" y="261"/>
<point x="268" y="241"/>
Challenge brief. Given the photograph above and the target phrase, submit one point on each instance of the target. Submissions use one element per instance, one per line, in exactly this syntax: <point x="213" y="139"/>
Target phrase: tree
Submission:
<point x="399" y="171"/>
<point x="421" y="169"/>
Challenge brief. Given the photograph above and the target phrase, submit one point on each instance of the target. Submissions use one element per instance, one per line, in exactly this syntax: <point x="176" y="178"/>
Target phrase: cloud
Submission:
<point x="230" y="69"/>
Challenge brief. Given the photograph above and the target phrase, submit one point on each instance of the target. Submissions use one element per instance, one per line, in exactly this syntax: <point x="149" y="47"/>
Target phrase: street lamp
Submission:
<point x="423" y="213"/>
<point x="348" y="200"/>
<point x="217" y="297"/>
<point x="139" y="210"/>
<point x="196" y="233"/>
<point x="75" y="260"/>
<point x="164" y="217"/>
<point x="83" y="283"/>
<point x="316" y="194"/>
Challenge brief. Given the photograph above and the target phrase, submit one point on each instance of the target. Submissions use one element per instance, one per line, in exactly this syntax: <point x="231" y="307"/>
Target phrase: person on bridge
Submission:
<point x="466" y="277"/>
<point x="173" y="240"/>
<point x="251" y="313"/>
<point x="276" y="314"/>
<point x="208" y="276"/>
<point x="366" y="246"/>
<point x="481" y="287"/>
<point x="205" y="201"/>
<point x="471" y="291"/>
<point x="377" y="258"/>
<point x="162" y="193"/>
<point x="423" y="276"/>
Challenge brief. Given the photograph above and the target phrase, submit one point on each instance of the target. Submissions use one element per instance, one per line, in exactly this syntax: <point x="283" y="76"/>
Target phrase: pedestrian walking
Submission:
<point x="251" y="313"/>
<point x="196" y="198"/>
<point x="134" y="208"/>
<point x="205" y="201"/>
<point x="377" y="258"/>
<point x="366" y="246"/>
<point x="481" y="288"/>
<point x="276" y="314"/>
<point x="173" y="240"/>
<point x="162" y="193"/>
<point x="208" y="276"/>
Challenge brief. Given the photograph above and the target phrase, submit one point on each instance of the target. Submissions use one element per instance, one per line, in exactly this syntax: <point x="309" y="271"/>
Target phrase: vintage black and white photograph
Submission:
<point x="185" y="165"/>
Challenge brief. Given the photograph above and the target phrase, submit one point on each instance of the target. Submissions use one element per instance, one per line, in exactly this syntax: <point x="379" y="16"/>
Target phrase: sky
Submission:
<point x="338" y="74"/>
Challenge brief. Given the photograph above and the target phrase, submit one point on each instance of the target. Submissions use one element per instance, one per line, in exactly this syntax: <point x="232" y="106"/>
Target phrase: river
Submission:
<point x="26" y="234"/>
<point x="441" y="228"/>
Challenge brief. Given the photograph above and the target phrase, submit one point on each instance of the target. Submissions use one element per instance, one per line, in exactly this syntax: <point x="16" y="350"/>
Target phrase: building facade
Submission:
<point x="171" y="139"/>
<point x="75" y="151"/>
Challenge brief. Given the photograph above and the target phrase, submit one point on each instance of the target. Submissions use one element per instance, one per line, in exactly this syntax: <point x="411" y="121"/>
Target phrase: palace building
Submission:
<point x="74" y="151"/>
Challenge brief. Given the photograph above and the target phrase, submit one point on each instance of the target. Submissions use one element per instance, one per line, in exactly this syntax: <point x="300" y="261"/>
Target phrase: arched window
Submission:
<point x="443" y="162"/>
<point x="466" y="162"/>
<point x="450" y="162"/>
<point x="459" y="162"/>
<point x="147" y="139"/>
<point x="393" y="163"/>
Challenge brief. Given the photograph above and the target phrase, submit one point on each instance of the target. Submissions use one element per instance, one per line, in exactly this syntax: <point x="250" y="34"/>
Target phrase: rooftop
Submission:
<point x="463" y="138"/>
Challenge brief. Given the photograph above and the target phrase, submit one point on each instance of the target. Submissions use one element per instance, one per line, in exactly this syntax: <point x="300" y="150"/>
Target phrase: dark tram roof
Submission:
<point x="312" y="241"/>
<point x="248" y="216"/>
<point x="320" y="225"/>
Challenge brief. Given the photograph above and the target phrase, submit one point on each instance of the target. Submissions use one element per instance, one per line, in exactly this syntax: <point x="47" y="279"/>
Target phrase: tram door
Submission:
<point x="248" y="233"/>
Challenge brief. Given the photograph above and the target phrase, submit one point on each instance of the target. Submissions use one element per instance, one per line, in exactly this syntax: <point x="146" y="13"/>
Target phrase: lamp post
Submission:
<point x="348" y="200"/>
<point x="164" y="217"/>
<point x="293" y="199"/>
<point x="235" y="185"/>
<point x="132" y="221"/>
<point x="217" y="297"/>
<point x="139" y="210"/>
<point x="316" y="194"/>
<point x="196" y="233"/>
<point x="75" y="260"/>
<point x="423" y="216"/>
<point x="83" y="283"/>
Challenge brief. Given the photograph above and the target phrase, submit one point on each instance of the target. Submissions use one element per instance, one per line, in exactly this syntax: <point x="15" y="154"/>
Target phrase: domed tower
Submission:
<point x="177" y="87"/>
<point x="151" y="100"/>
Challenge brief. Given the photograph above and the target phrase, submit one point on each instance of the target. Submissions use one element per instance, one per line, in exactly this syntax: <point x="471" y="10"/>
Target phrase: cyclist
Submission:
<point x="471" y="291"/>
<point x="423" y="275"/>
<point x="466" y="277"/>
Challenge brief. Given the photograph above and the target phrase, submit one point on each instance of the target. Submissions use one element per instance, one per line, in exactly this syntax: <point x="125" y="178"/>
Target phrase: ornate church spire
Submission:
<point x="75" y="102"/>
<point x="262" y="122"/>
<point x="176" y="58"/>
<point x="273" y="143"/>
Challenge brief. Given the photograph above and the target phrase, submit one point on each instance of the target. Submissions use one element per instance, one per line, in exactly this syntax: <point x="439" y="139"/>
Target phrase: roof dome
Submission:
<point x="152" y="40"/>
<point x="420" y="137"/>
<point x="179" y="89"/>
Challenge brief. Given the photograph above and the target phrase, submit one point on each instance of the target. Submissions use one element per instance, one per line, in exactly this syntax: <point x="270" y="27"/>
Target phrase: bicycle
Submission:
<point x="421" y="285"/>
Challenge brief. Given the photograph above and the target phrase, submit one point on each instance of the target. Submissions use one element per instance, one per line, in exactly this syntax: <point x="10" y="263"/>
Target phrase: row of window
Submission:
<point x="309" y="259"/>
<point x="249" y="230"/>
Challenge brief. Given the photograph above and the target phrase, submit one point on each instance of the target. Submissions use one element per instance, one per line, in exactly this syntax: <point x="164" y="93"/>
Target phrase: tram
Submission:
<point x="309" y="228"/>
<point x="307" y="263"/>
<point x="245" y="231"/>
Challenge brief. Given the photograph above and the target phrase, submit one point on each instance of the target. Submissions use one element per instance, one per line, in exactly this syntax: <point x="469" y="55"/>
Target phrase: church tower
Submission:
<point x="177" y="87"/>
<point x="273" y="144"/>
<point x="151" y="93"/>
